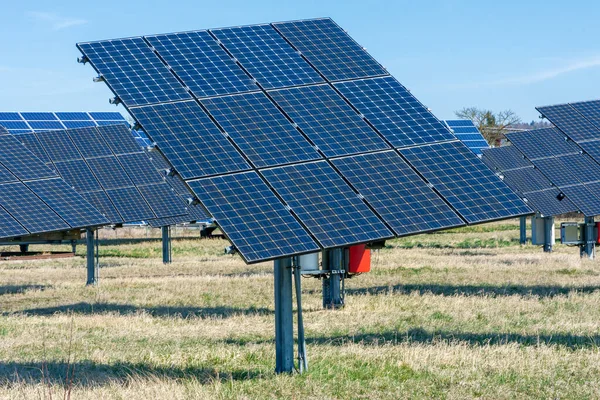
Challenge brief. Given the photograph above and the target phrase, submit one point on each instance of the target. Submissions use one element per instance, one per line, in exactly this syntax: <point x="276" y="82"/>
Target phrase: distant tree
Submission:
<point x="492" y="125"/>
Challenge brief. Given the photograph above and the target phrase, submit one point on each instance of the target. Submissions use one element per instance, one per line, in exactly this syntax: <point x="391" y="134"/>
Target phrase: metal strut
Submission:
<point x="167" y="251"/>
<point x="302" y="357"/>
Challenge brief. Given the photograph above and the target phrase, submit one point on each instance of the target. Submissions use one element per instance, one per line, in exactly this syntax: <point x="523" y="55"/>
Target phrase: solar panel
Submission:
<point x="540" y="143"/>
<point x="328" y="120"/>
<point x="467" y="132"/>
<point x="585" y="197"/>
<point x="572" y="123"/>
<point x="397" y="193"/>
<point x="189" y="139"/>
<point x="109" y="172"/>
<point x="260" y="130"/>
<point x="89" y="142"/>
<point x="394" y="111"/>
<point x="130" y="204"/>
<point x="33" y="145"/>
<point x="548" y="204"/>
<point x="503" y="158"/>
<point x="330" y="49"/>
<point x="28" y="122"/>
<point x="135" y="71"/>
<point x="472" y="189"/>
<point x="117" y="142"/>
<point x="102" y="202"/>
<point x="137" y="166"/>
<point x="267" y="56"/>
<point x="214" y="141"/>
<point x="23" y="164"/>
<point x="592" y="148"/>
<point x="9" y="227"/>
<point x="162" y="199"/>
<point x="527" y="179"/>
<point x="201" y="63"/>
<point x="79" y="175"/>
<point x="252" y="217"/>
<point x="325" y="204"/>
<point x="590" y="110"/>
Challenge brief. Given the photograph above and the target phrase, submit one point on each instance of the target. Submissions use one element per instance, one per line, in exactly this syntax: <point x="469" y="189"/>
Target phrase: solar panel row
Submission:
<point x="305" y="111"/>
<point x="466" y="131"/>
<point x="28" y="122"/>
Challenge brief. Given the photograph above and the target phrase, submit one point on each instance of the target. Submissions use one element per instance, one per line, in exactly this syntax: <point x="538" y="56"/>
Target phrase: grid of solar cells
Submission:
<point x="592" y="148"/>
<point x="117" y="141"/>
<point x="397" y="193"/>
<point x="325" y="204"/>
<point x="466" y="131"/>
<point x="571" y="122"/>
<point x="89" y="142"/>
<point x="330" y="49"/>
<point x="540" y="143"/>
<point x="189" y="139"/>
<point x="201" y="63"/>
<point x="590" y="110"/>
<point x="137" y="166"/>
<point x="6" y="176"/>
<point x="328" y="120"/>
<point x="461" y="178"/>
<point x="9" y="227"/>
<point x="23" y="164"/>
<point x="394" y="111"/>
<point x="526" y="179"/>
<point x="162" y="199"/>
<point x="503" y="158"/>
<point x="252" y="217"/>
<point x="267" y="56"/>
<point x="101" y="201"/>
<point x="34" y="145"/>
<point x="78" y="174"/>
<point x="28" y="122"/>
<point x="260" y="130"/>
<point x="58" y="146"/>
<point x="134" y="71"/>
<point x="585" y="197"/>
<point x="547" y="202"/>
<point x="130" y="204"/>
<point x="555" y="170"/>
<point x="109" y="172"/>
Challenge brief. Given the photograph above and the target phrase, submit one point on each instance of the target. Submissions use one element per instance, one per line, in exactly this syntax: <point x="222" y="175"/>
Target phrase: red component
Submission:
<point x="360" y="259"/>
<point x="597" y="230"/>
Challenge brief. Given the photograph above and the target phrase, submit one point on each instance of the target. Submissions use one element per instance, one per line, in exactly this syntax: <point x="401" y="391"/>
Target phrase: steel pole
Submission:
<point x="284" y="317"/>
<point x="92" y="278"/>
<point x="548" y="234"/>
<point x="166" y="244"/>
<point x="523" y="230"/>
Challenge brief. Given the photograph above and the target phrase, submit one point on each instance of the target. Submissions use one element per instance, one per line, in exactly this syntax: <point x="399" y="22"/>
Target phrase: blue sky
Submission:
<point x="451" y="54"/>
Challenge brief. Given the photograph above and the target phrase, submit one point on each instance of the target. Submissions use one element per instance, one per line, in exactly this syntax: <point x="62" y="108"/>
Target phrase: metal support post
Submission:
<point x="302" y="357"/>
<point x="333" y="261"/>
<point x="166" y="245"/>
<point x="23" y="248"/>
<point x="284" y="317"/>
<point x="590" y="239"/>
<point x="523" y="230"/>
<point x="74" y="246"/>
<point x="548" y="234"/>
<point x="92" y="276"/>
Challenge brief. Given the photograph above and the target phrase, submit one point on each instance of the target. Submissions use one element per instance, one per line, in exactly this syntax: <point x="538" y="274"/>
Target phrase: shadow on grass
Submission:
<point x="128" y="309"/>
<point x="90" y="374"/>
<point x="472" y="290"/>
<point x="15" y="289"/>
<point x="422" y="336"/>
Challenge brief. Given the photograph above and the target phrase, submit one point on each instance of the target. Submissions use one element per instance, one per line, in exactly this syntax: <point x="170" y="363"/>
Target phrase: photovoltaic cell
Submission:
<point x="527" y="179"/>
<point x="58" y="146"/>
<point x="330" y="49"/>
<point x="106" y="207"/>
<point x="201" y="63"/>
<point x="78" y="174"/>
<point x="465" y="182"/>
<point x="466" y="131"/>
<point x="89" y="142"/>
<point x="541" y="143"/>
<point x="260" y="130"/>
<point x="109" y="172"/>
<point x="130" y="204"/>
<point x="189" y="139"/>
<point x="134" y="71"/>
<point x="252" y="217"/>
<point x="505" y="157"/>
<point x="28" y="122"/>
<point x="548" y="204"/>
<point x="23" y="164"/>
<point x="161" y="198"/>
<point x="397" y="193"/>
<point x="267" y="56"/>
<point x="592" y="148"/>
<point x="119" y="140"/>
<point x="328" y="120"/>
<point x="9" y="227"/>
<point x="557" y="171"/>
<point x="138" y="166"/>
<point x="394" y="111"/>
<point x="585" y="198"/>
<point x="572" y="123"/>
<point x="325" y="204"/>
<point x="6" y="176"/>
<point x="591" y="111"/>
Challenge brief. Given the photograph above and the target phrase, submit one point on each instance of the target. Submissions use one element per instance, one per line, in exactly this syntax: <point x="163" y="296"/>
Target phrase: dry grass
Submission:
<point x="466" y="314"/>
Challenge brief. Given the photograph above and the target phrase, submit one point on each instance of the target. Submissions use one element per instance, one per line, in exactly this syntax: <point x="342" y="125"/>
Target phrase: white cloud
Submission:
<point x="539" y="76"/>
<point x="56" y="21"/>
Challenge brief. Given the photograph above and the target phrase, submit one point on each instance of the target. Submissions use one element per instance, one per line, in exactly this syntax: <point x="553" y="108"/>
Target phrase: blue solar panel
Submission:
<point x="130" y="204"/>
<point x="189" y="139"/>
<point x="77" y="174"/>
<point x="12" y="125"/>
<point x="9" y="227"/>
<point x="252" y="217"/>
<point x="572" y="123"/>
<point x="592" y="148"/>
<point x="69" y="205"/>
<point x="394" y="111"/>
<point x="328" y="120"/>
<point x="397" y="193"/>
<point x="138" y="166"/>
<point x="119" y="139"/>
<point x="18" y="123"/>
<point x="73" y="116"/>
<point x="555" y="170"/>
<point x="527" y="179"/>
<point x="22" y="163"/>
<point x="467" y="132"/>
<point x="260" y="130"/>
<point x="540" y="143"/>
<point x="107" y="116"/>
<point x="547" y="202"/>
<point x="58" y="146"/>
<point x="134" y="71"/>
<point x="267" y="56"/>
<point x="201" y="63"/>
<point x="39" y="116"/>
<point x="326" y="205"/>
<point x="9" y="116"/>
<point x="89" y="142"/>
<point x="78" y="124"/>
<point x="6" y="176"/>
<point x="45" y="125"/>
<point x="590" y="110"/>
<point x="585" y="197"/>
<point x="29" y="210"/>
<point x="466" y="183"/>
<point x="109" y="172"/>
<point x="162" y="199"/>
<point x="330" y="49"/>
<point x="101" y="201"/>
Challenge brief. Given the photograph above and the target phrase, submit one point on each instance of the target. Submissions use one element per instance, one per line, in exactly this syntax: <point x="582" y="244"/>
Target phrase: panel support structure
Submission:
<point x="91" y="260"/>
<point x="523" y="230"/>
<point x="589" y="247"/>
<point x="548" y="234"/>
<point x="334" y="263"/>
<point x="166" y="245"/>
<point x="284" y="317"/>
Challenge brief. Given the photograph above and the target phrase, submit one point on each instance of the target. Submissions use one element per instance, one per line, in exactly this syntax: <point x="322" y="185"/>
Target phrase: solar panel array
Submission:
<point x="29" y="122"/>
<point x="527" y="180"/>
<point x="107" y="167"/>
<point x="562" y="162"/>
<point x="34" y="199"/>
<point x="466" y="131"/>
<point x="267" y="123"/>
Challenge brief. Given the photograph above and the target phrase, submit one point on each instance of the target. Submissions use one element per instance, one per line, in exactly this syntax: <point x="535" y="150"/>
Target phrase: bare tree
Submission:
<point x="492" y="125"/>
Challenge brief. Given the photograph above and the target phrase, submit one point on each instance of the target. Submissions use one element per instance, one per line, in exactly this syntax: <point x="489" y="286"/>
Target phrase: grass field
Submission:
<point x="463" y="314"/>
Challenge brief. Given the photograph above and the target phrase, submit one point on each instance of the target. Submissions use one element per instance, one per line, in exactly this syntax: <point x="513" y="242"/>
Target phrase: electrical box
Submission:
<point x="571" y="233"/>
<point x="538" y="233"/>
<point x="359" y="259"/>
<point x="309" y="262"/>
